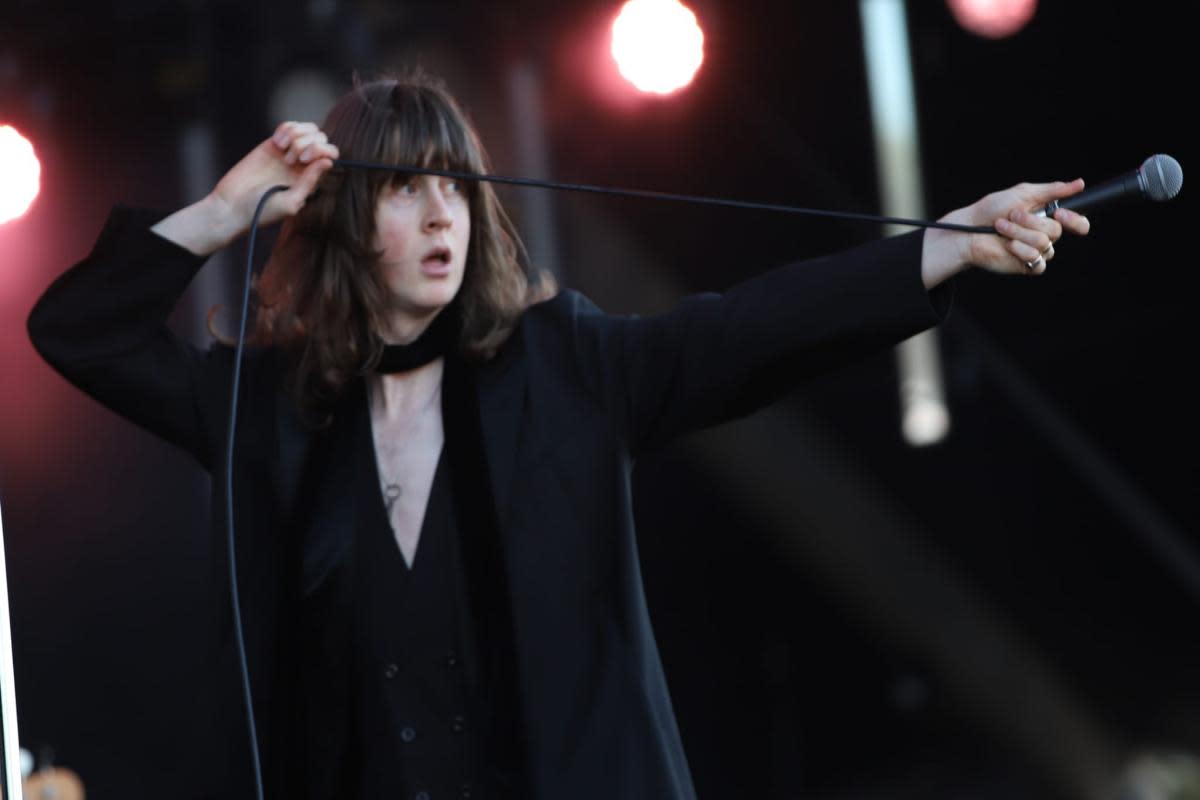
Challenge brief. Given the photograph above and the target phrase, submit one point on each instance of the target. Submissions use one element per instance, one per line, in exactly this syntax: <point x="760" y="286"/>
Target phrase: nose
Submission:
<point x="437" y="210"/>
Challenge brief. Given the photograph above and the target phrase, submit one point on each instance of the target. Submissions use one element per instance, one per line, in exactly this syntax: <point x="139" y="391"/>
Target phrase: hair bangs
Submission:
<point x="426" y="132"/>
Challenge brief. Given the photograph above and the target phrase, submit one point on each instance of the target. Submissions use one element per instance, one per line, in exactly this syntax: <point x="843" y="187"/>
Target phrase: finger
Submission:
<point x="1047" y="225"/>
<point x="1023" y="251"/>
<point x="1073" y="221"/>
<point x="316" y="150"/>
<point x="287" y="132"/>
<point x="1030" y="257"/>
<point x="1041" y="193"/>
<point x="282" y="134"/>
<point x="1034" y="239"/>
<point x="299" y="144"/>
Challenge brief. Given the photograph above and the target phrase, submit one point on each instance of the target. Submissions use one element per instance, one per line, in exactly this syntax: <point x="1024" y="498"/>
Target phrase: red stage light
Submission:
<point x="657" y="44"/>
<point x="993" y="19"/>
<point x="22" y="174"/>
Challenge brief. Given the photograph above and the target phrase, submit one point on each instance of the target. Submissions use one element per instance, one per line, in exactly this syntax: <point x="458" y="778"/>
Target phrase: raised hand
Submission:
<point x="296" y="155"/>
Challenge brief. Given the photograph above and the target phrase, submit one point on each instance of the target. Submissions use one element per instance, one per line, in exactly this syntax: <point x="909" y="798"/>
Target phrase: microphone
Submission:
<point x="1159" y="178"/>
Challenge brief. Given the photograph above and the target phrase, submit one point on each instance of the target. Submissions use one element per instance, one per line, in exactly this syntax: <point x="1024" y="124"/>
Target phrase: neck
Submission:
<point x="407" y="328"/>
<point x="406" y="393"/>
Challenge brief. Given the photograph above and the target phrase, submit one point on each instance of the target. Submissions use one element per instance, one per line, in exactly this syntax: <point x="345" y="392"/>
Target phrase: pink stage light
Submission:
<point x="22" y="174"/>
<point x="657" y="44"/>
<point x="993" y="19"/>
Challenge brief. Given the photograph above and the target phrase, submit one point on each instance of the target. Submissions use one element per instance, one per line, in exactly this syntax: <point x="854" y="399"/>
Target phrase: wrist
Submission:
<point x="944" y="253"/>
<point x="220" y="221"/>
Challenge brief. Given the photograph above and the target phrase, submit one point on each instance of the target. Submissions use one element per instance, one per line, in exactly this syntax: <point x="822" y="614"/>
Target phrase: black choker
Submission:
<point x="433" y="343"/>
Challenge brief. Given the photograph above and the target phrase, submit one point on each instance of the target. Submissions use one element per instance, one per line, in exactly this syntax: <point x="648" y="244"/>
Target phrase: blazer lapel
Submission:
<point x="313" y="476"/>
<point x="503" y="387"/>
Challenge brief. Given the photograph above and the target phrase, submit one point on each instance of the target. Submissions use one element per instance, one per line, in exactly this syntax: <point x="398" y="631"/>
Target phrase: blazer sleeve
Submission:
<point x="715" y="357"/>
<point x="102" y="325"/>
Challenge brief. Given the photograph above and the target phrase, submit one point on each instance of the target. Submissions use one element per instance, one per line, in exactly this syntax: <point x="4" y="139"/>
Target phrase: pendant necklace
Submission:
<point x="393" y="489"/>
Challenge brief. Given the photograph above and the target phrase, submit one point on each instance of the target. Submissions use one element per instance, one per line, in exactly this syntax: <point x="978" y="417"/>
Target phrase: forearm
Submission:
<point x="203" y="228"/>
<point x="715" y="357"/>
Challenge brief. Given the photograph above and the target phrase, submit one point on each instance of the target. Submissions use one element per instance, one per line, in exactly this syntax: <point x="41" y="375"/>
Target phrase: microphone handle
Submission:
<point x="1129" y="184"/>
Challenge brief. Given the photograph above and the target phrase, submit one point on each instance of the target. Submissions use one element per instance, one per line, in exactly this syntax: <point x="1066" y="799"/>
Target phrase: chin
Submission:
<point x="436" y="301"/>
<point x="428" y="299"/>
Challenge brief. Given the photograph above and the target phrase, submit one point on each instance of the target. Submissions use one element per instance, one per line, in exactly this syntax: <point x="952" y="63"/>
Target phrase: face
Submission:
<point x="422" y="228"/>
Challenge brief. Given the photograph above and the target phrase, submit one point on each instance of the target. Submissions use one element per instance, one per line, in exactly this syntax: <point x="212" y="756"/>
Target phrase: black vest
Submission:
<point x="431" y="715"/>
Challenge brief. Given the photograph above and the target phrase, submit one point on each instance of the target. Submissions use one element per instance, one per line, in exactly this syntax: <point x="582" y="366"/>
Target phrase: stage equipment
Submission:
<point x="993" y="19"/>
<point x="924" y="413"/>
<point x="22" y="174"/>
<point x="658" y="45"/>
<point x="1159" y="179"/>
<point x="8" y="692"/>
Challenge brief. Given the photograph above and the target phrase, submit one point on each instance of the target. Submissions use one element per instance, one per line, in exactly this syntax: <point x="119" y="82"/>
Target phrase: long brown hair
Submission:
<point x="321" y="297"/>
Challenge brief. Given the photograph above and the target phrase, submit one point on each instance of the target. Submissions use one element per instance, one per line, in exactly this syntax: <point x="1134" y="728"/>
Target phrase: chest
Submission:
<point x="406" y="453"/>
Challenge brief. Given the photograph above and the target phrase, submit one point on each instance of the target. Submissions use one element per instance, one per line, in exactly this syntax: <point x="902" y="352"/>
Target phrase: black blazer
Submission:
<point x="566" y="406"/>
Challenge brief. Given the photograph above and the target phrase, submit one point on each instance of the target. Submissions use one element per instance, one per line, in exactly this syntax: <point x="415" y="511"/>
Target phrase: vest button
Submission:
<point x="458" y="724"/>
<point x="408" y="734"/>
<point x="464" y="791"/>
<point x="451" y="659"/>
<point x="391" y="671"/>
<point x="421" y="796"/>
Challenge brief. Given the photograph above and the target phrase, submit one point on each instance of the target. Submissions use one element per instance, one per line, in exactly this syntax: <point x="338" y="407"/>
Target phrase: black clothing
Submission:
<point x="564" y="408"/>
<point x="435" y="341"/>
<point x="423" y="704"/>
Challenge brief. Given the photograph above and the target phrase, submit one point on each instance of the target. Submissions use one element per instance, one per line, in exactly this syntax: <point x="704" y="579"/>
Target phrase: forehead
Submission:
<point x="425" y="129"/>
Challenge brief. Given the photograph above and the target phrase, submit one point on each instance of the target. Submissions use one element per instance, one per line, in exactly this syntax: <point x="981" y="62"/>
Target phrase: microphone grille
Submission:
<point x="1162" y="176"/>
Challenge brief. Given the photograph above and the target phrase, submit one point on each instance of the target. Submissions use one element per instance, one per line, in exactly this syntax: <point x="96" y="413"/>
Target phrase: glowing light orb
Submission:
<point x="20" y="174"/>
<point x="993" y="19"/>
<point x="657" y="44"/>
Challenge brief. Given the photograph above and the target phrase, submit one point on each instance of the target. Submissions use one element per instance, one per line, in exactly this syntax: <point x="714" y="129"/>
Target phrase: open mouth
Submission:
<point x="440" y="255"/>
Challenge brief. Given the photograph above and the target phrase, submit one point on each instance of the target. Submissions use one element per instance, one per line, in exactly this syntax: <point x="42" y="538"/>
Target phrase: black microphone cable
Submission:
<point x="653" y="195"/>
<point x="234" y="597"/>
<point x="235" y="600"/>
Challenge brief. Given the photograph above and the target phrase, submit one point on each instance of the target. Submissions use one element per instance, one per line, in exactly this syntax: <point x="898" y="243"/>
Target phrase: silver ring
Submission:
<point x="1031" y="264"/>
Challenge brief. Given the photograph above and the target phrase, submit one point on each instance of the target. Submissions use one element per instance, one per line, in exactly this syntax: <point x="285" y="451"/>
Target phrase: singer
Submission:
<point x="435" y="539"/>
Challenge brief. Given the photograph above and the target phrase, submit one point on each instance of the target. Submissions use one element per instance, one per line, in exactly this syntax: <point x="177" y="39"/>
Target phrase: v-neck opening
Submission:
<point x="380" y="503"/>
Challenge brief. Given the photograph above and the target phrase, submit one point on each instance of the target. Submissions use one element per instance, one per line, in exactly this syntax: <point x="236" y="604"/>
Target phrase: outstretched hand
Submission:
<point x="1023" y="242"/>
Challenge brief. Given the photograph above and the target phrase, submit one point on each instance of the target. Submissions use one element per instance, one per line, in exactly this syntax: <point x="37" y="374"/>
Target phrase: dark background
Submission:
<point x="789" y="679"/>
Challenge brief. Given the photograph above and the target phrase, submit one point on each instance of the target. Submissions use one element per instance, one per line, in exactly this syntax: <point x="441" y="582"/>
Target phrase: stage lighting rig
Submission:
<point x="22" y="174"/>
<point x="658" y="45"/>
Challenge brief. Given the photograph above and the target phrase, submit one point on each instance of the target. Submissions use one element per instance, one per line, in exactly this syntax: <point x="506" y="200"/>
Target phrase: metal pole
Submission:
<point x="926" y="417"/>
<point x="8" y="691"/>
<point x="533" y="159"/>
